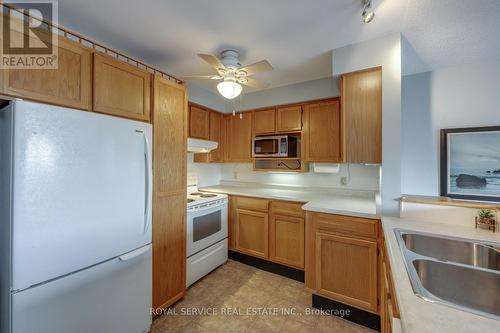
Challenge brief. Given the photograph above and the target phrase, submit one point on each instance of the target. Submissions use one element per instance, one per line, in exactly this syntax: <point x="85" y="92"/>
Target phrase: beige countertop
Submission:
<point x="418" y="315"/>
<point x="342" y="202"/>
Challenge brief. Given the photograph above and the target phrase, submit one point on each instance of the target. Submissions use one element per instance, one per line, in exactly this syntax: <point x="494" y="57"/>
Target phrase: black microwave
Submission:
<point x="275" y="146"/>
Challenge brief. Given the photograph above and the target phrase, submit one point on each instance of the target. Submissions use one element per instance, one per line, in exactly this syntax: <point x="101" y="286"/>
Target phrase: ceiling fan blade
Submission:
<point x="255" y="83"/>
<point x="212" y="60"/>
<point x="202" y="77"/>
<point x="258" y="67"/>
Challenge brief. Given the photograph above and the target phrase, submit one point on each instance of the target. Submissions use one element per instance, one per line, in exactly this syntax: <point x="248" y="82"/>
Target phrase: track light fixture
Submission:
<point x="368" y="14"/>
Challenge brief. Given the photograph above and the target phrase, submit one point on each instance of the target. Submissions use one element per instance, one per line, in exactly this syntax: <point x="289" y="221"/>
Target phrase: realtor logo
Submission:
<point x="28" y="42"/>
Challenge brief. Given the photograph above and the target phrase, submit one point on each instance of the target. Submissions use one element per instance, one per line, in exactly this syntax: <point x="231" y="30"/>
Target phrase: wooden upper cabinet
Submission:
<point x="322" y="132"/>
<point x="216" y="135"/>
<point x="361" y="94"/>
<point x="69" y="85"/>
<point x="121" y="89"/>
<point x="346" y="270"/>
<point x="264" y="121"/>
<point x="199" y="123"/>
<point x="289" y="119"/>
<point x="239" y="138"/>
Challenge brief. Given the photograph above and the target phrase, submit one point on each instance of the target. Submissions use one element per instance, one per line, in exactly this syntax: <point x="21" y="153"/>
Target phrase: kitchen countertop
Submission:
<point x="330" y="201"/>
<point x="418" y="315"/>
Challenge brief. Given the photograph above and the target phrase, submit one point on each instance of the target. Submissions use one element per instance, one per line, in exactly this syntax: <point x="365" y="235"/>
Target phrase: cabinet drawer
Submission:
<point x="287" y="208"/>
<point x="252" y="204"/>
<point x="346" y="224"/>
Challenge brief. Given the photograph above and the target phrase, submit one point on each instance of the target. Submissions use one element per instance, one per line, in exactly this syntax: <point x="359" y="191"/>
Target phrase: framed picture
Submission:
<point x="470" y="163"/>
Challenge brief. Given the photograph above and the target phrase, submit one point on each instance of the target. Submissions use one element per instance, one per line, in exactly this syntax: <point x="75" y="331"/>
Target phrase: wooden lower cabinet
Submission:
<point x="169" y="192"/>
<point x="346" y="270"/>
<point x="267" y="229"/>
<point x="252" y="232"/>
<point x="342" y="259"/>
<point x="388" y="303"/>
<point x="286" y="240"/>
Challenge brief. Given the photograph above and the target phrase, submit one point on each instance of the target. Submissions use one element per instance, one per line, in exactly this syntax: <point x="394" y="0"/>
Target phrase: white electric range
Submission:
<point x="206" y="233"/>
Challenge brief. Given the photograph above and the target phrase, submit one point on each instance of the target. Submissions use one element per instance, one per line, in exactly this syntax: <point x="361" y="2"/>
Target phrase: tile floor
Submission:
<point x="240" y="298"/>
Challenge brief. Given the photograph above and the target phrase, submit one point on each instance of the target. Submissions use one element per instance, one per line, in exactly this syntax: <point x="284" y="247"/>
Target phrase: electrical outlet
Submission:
<point x="343" y="181"/>
<point x="235" y="175"/>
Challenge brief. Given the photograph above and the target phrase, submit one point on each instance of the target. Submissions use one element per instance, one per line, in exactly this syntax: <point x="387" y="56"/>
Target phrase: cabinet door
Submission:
<point x="361" y="95"/>
<point x="252" y="233"/>
<point x="69" y="85"/>
<point x="286" y="237"/>
<point x="289" y="119"/>
<point x="216" y="135"/>
<point x="322" y="133"/>
<point x="264" y="122"/>
<point x="199" y="123"/>
<point x="121" y="89"/>
<point x="346" y="270"/>
<point x="240" y="137"/>
<point x="169" y="192"/>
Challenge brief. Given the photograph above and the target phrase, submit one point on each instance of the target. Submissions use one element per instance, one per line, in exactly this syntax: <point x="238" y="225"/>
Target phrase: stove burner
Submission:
<point x="208" y="195"/>
<point x="190" y="200"/>
<point x="196" y="193"/>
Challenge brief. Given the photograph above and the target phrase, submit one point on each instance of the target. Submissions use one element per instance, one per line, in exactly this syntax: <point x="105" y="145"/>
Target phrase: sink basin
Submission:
<point x="460" y="273"/>
<point x="455" y="250"/>
<point x="464" y="286"/>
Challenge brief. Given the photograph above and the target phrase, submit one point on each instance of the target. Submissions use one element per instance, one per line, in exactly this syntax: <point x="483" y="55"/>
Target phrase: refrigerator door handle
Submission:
<point x="135" y="253"/>
<point x="147" y="201"/>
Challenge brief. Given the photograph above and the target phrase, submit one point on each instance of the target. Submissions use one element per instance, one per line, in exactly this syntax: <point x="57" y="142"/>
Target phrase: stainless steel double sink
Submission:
<point x="457" y="272"/>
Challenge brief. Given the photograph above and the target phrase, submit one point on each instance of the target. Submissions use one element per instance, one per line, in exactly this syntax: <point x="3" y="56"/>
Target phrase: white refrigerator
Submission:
<point x="75" y="221"/>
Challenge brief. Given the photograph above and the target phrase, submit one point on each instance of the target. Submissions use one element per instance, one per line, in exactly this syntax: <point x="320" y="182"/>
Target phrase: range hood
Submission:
<point x="201" y="146"/>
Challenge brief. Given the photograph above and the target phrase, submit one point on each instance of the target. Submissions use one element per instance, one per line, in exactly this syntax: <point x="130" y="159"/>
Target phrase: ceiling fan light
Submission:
<point x="229" y="89"/>
<point x="368" y="16"/>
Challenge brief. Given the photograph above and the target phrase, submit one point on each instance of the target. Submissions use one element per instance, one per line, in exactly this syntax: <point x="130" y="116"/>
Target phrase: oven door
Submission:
<point x="206" y="226"/>
<point x="268" y="146"/>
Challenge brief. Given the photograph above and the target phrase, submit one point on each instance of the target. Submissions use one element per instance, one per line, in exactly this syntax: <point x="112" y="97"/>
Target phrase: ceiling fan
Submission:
<point x="232" y="73"/>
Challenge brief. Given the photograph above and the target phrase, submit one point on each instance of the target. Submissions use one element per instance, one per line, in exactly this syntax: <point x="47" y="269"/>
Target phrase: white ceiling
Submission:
<point x="296" y="36"/>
